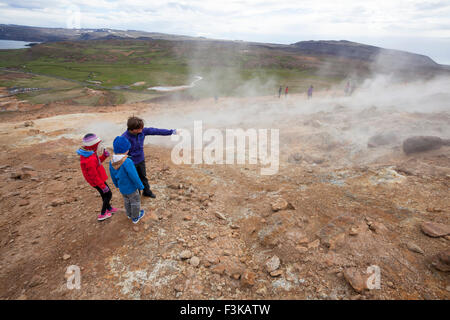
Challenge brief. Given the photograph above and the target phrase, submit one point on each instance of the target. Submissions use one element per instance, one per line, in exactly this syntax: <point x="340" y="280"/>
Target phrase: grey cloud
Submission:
<point x="433" y="5"/>
<point x="32" y="4"/>
<point x="182" y="6"/>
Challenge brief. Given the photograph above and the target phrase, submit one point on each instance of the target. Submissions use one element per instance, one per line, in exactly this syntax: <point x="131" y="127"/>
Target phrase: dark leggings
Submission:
<point x="106" y="197"/>
<point x="142" y="173"/>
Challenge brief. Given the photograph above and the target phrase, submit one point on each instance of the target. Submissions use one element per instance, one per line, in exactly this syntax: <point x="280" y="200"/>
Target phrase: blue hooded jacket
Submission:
<point x="137" y="141"/>
<point x="125" y="176"/>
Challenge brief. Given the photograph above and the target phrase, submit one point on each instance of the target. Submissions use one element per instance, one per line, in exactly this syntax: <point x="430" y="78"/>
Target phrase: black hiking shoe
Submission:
<point x="149" y="194"/>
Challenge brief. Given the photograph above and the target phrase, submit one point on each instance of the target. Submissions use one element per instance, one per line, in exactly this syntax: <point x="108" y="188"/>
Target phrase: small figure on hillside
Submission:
<point x="94" y="173"/>
<point x="347" y="89"/>
<point x="286" y="91"/>
<point x="136" y="134"/>
<point x="352" y="89"/>
<point x="125" y="177"/>
<point x="279" y="92"/>
<point x="310" y="92"/>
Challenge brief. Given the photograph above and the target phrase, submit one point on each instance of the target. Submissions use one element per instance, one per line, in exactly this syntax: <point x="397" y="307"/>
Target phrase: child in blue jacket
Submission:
<point x="125" y="177"/>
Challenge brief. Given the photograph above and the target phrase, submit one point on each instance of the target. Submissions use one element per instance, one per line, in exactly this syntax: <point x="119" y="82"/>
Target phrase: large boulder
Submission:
<point x="382" y="139"/>
<point x="423" y="143"/>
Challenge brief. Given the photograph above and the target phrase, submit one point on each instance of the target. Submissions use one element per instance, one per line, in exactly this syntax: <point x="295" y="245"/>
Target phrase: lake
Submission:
<point x="13" y="44"/>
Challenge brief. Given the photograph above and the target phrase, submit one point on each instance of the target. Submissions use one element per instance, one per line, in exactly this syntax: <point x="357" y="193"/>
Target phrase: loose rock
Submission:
<point x="435" y="230"/>
<point x="15" y="175"/>
<point x="276" y="273"/>
<point x="186" y="254"/>
<point x="313" y="245"/>
<point x="295" y="158"/>
<point x="28" y="168"/>
<point x="212" y="236"/>
<point x="356" y="279"/>
<point x="146" y="290"/>
<point x="301" y="249"/>
<point x="23" y="203"/>
<point x="220" y="215"/>
<point x="377" y="227"/>
<point x="415" y="248"/>
<point x="281" y="204"/>
<point x="195" y="261"/>
<point x="262" y="291"/>
<point x="152" y="216"/>
<point x="35" y="281"/>
<point x="248" y="278"/>
<point x="219" y="269"/>
<point x="442" y="261"/>
<point x="178" y="287"/>
<point x="273" y="264"/>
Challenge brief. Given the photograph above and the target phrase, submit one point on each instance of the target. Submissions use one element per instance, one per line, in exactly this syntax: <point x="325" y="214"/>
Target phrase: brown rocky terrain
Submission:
<point x="336" y="207"/>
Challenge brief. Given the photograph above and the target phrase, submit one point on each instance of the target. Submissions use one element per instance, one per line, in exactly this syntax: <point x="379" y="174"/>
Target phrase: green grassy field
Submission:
<point x="227" y="69"/>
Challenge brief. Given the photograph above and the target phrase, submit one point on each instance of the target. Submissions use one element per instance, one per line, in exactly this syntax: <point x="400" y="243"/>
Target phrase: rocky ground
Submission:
<point x="335" y="208"/>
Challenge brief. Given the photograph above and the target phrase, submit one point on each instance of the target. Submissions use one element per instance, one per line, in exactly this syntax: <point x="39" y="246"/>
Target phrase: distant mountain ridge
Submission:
<point x="394" y="59"/>
<point x="360" y="51"/>
<point x="39" y="34"/>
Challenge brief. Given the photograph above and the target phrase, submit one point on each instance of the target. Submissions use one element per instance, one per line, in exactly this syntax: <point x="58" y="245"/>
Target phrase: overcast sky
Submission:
<point x="411" y="25"/>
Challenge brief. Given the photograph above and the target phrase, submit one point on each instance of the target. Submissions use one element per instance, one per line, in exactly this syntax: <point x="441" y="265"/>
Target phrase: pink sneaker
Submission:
<point x="104" y="216"/>
<point x="113" y="210"/>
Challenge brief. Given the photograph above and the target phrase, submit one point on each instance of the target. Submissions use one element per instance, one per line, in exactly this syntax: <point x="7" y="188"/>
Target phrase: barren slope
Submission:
<point x="335" y="208"/>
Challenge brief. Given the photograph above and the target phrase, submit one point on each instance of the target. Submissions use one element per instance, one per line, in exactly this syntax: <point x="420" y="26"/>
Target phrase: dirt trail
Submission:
<point x="335" y="208"/>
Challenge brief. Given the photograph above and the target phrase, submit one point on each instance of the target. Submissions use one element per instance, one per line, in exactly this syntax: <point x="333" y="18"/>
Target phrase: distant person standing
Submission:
<point x="286" y="91"/>
<point x="347" y="88"/>
<point x="310" y="92"/>
<point x="352" y="88"/>
<point x="279" y="92"/>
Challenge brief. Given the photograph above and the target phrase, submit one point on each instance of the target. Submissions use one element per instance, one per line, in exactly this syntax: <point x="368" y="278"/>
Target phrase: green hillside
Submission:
<point x="227" y="68"/>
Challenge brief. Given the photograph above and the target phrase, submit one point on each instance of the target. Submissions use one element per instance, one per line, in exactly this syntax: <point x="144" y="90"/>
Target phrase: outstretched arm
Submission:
<point x="158" y="132"/>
